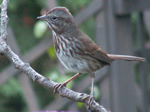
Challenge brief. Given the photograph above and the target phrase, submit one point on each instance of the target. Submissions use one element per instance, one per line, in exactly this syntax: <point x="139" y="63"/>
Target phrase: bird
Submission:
<point x="76" y="50"/>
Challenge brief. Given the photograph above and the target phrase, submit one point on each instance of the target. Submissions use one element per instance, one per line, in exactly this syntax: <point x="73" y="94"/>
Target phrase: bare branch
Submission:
<point x="27" y="69"/>
<point x="4" y="19"/>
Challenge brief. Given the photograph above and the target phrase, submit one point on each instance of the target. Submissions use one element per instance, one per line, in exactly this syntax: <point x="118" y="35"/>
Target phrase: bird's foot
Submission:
<point x="90" y="101"/>
<point x="58" y="86"/>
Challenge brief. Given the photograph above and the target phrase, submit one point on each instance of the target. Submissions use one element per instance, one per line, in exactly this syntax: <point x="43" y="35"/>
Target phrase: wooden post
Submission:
<point x="143" y="66"/>
<point x="121" y="72"/>
<point x="102" y="41"/>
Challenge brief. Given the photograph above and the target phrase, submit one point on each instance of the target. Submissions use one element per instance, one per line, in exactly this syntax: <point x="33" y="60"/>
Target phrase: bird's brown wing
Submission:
<point x="102" y="56"/>
<point x="94" y="50"/>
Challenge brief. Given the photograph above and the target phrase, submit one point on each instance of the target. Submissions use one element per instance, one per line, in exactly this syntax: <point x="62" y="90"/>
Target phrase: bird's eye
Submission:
<point x="54" y="18"/>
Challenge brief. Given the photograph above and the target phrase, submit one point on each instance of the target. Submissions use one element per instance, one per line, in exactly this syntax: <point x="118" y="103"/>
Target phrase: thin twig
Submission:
<point x="27" y="69"/>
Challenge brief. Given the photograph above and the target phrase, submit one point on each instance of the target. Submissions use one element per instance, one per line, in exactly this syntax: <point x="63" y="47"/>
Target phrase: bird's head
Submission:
<point x="58" y="19"/>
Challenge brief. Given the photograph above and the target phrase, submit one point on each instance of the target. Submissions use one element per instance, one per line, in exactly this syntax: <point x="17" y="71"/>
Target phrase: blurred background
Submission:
<point x="117" y="26"/>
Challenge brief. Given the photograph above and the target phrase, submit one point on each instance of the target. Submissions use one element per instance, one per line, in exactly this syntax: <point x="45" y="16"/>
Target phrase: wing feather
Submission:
<point x="94" y="50"/>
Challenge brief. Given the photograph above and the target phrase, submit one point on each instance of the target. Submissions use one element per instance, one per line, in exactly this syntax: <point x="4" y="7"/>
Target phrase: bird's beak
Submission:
<point x="44" y="17"/>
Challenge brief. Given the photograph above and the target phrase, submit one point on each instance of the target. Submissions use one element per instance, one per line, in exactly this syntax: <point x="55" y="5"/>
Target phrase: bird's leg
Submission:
<point x="59" y="85"/>
<point x="91" y="97"/>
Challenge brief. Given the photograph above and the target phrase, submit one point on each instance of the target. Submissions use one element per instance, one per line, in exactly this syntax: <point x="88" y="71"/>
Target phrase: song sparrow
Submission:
<point x="75" y="50"/>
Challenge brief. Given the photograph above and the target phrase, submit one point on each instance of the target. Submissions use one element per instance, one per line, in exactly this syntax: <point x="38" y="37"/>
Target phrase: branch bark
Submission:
<point x="27" y="69"/>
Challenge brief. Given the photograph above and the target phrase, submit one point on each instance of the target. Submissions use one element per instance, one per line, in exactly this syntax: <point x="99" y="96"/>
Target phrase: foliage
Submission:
<point x="11" y="99"/>
<point x="51" y="52"/>
<point x="22" y="17"/>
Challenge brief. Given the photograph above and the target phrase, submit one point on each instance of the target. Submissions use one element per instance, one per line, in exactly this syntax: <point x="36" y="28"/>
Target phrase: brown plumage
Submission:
<point x="76" y="51"/>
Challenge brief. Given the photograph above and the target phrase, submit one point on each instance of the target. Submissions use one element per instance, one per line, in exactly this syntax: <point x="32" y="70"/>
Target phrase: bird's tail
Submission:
<point x="126" y="57"/>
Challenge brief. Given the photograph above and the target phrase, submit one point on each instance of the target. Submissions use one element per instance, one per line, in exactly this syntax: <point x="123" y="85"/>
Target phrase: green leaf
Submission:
<point x="80" y="105"/>
<point x="96" y="92"/>
<point x="39" y="29"/>
<point x="54" y="76"/>
<point x="51" y="52"/>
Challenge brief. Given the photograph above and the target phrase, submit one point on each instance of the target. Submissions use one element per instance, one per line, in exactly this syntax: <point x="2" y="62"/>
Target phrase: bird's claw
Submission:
<point x="90" y="101"/>
<point x="58" y="86"/>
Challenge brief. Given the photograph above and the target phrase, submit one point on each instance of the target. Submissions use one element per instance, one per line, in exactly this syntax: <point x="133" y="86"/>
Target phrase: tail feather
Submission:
<point x="126" y="57"/>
